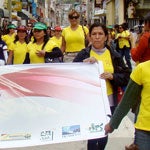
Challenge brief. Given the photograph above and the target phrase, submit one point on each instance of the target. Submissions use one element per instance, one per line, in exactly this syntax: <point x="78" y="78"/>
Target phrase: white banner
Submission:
<point x="51" y="103"/>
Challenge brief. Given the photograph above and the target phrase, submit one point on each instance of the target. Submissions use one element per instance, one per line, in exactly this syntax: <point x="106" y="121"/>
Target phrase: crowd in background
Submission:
<point x="71" y="39"/>
<point x="114" y="45"/>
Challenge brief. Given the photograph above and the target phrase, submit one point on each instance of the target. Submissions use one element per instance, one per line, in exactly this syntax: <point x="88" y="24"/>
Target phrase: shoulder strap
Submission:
<point x="149" y="42"/>
<point x="83" y="30"/>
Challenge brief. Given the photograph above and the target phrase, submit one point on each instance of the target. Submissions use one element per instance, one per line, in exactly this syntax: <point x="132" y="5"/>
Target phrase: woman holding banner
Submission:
<point x="115" y="72"/>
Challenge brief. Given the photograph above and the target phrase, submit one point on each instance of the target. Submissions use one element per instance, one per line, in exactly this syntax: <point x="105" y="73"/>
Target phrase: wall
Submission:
<point x="110" y="13"/>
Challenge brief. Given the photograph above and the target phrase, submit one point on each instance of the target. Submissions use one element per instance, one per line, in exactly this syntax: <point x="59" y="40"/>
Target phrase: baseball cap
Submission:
<point x="58" y="28"/>
<point x="40" y="26"/>
<point x="21" y="28"/>
<point x="11" y="26"/>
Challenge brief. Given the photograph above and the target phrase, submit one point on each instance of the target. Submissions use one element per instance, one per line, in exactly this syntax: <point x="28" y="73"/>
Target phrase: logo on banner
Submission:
<point x="17" y="136"/>
<point x="96" y="127"/>
<point x="47" y="135"/>
<point x="68" y="131"/>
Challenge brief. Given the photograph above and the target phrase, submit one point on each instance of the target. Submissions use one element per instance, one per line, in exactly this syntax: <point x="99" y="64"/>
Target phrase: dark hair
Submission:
<point x="72" y="12"/>
<point x="1" y="33"/>
<point x="17" y="39"/>
<point x="125" y="26"/>
<point x="97" y="24"/>
<point x="147" y="18"/>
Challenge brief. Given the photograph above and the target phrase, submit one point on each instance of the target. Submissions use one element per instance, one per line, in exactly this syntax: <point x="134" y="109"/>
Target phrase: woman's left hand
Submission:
<point x="106" y="75"/>
<point x="91" y="60"/>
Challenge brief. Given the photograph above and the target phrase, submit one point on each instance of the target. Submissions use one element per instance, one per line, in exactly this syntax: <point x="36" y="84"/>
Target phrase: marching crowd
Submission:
<point x="114" y="46"/>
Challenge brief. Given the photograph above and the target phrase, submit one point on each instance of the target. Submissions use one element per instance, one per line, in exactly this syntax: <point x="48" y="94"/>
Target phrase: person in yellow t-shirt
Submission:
<point x="41" y="46"/>
<point x="115" y="73"/>
<point x="10" y="37"/>
<point x="73" y="37"/>
<point x="18" y="48"/>
<point x="138" y="87"/>
<point x="57" y="38"/>
<point x="123" y="38"/>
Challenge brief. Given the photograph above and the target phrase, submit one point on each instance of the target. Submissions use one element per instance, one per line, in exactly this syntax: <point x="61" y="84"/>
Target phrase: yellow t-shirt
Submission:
<point x="19" y="52"/>
<point x="141" y="75"/>
<point x="8" y="39"/>
<point x="32" y="48"/>
<point x="50" y="45"/>
<point x="74" y="38"/>
<point x="122" y="41"/>
<point x="108" y="66"/>
<point x="57" y="41"/>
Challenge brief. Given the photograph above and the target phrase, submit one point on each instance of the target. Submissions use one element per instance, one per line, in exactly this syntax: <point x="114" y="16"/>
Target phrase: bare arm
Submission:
<point x="9" y="60"/>
<point x="63" y="46"/>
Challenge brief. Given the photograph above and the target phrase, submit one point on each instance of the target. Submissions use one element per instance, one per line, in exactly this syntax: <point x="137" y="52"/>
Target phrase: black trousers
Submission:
<point x="97" y="144"/>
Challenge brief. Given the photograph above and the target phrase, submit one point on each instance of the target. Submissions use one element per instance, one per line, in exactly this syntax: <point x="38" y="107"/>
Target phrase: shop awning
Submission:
<point x="22" y="15"/>
<point x="4" y="13"/>
<point x="15" y="17"/>
<point x="27" y="13"/>
<point x="100" y="12"/>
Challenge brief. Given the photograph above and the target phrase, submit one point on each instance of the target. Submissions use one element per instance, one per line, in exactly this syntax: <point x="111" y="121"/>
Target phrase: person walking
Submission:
<point x="73" y="37"/>
<point x="3" y="51"/>
<point x="18" y="48"/>
<point x="141" y="52"/>
<point x="115" y="72"/>
<point x="140" y="82"/>
<point x="57" y="38"/>
<point x="29" y="32"/>
<point x="42" y="48"/>
<point x="123" y="38"/>
<point x="10" y="36"/>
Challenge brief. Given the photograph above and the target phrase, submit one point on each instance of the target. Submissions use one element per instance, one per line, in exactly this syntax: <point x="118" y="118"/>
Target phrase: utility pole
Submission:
<point x="10" y="10"/>
<point x="88" y="11"/>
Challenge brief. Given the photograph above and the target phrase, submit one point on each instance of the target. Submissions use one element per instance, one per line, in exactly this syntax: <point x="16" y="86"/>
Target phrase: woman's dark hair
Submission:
<point x="97" y="24"/>
<point x="147" y="18"/>
<point x="72" y="12"/>
<point x="1" y="33"/>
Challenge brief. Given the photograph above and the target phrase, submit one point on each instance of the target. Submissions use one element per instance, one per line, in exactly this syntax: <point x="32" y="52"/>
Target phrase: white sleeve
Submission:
<point x="5" y="53"/>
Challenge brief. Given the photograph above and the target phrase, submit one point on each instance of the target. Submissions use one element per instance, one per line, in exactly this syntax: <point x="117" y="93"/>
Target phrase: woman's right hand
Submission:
<point x="40" y="53"/>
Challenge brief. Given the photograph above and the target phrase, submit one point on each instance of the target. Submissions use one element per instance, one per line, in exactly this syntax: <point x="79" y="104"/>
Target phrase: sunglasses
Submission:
<point x="22" y="31"/>
<point x="73" y="17"/>
<point x="37" y="30"/>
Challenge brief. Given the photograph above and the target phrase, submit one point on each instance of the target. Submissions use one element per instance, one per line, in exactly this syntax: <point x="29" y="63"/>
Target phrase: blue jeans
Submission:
<point x="125" y="52"/>
<point x="142" y="139"/>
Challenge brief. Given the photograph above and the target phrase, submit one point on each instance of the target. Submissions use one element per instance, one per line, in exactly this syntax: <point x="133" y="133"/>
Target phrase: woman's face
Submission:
<point x="38" y="34"/>
<point x="11" y="31"/>
<point x="21" y="34"/>
<point x="121" y="29"/>
<point x="98" y="37"/>
<point x="74" y="19"/>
